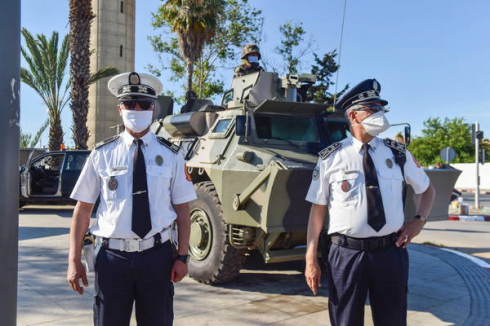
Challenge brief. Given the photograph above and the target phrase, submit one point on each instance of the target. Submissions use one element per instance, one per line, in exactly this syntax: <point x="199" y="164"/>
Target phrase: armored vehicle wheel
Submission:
<point x="213" y="260"/>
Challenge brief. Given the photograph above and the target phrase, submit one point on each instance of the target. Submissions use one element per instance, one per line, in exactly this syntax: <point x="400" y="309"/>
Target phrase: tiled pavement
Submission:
<point x="445" y="289"/>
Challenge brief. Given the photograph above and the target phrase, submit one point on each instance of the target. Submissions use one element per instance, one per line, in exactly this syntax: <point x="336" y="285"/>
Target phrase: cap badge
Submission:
<point x="345" y="186"/>
<point x="375" y="85"/>
<point x="159" y="160"/>
<point x="134" y="78"/>
<point x="389" y="163"/>
<point x="112" y="183"/>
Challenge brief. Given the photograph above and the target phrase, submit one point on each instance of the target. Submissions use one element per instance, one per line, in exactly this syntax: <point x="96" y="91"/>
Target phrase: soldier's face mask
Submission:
<point x="375" y="123"/>
<point x="136" y="121"/>
<point x="253" y="59"/>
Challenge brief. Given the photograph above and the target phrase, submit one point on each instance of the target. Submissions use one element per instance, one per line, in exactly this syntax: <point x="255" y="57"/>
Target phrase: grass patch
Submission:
<point x="430" y="243"/>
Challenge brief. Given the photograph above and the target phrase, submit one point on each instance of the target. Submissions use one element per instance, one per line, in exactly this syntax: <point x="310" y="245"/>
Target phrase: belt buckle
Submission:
<point x="133" y="245"/>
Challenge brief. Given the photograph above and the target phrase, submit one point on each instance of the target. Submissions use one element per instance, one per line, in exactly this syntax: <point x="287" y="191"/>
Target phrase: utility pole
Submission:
<point x="477" y="163"/>
<point x="9" y="160"/>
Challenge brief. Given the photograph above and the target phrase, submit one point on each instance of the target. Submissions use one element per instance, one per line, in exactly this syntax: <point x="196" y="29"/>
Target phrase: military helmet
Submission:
<point x="250" y="48"/>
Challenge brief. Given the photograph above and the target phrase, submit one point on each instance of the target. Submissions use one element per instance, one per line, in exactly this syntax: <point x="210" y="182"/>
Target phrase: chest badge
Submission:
<point x="112" y="183"/>
<point x="159" y="160"/>
<point x="389" y="163"/>
<point x="345" y="186"/>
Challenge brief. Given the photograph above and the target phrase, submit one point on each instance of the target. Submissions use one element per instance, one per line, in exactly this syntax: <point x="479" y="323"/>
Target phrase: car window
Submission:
<point x="338" y="130"/>
<point x="75" y="161"/>
<point x="287" y="128"/>
<point x="222" y="125"/>
<point x="50" y="162"/>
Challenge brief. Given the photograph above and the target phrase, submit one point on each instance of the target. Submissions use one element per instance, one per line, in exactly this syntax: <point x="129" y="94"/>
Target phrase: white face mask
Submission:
<point x="137" y="121"/>
<point x="375" y="123"/>
<point x="253" y="59"/>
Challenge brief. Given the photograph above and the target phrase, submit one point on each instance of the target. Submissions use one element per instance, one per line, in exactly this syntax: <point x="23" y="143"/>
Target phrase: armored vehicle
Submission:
<point x="251" y="160"/>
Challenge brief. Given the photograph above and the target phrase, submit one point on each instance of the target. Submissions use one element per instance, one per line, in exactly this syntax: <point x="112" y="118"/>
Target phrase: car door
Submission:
<point x="72" y="167"/>
<point x="44" y="175"/>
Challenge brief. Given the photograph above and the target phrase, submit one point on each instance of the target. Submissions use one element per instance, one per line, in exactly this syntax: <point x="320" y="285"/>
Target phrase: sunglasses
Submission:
<point x="372" y="108"/>
<point x="131" y="104"/>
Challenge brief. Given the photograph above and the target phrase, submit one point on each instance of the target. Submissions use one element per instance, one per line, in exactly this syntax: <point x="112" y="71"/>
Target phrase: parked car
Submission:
<point x="51" y="176"/>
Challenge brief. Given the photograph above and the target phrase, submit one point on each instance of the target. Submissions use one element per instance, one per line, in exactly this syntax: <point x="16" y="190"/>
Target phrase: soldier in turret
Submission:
<point x="250" y="61"/>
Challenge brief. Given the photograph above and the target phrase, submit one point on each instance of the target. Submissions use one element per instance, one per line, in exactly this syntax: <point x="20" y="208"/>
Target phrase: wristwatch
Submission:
<point x="422" y="218"/>
<point x="183" y="258"/>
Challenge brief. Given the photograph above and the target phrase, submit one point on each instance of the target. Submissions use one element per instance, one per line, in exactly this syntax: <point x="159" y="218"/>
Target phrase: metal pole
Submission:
<point x="9" y="160"/>
<point x="477" y="160"/>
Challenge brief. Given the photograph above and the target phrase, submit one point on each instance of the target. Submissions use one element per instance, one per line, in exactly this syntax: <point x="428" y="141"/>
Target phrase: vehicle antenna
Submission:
<point x="340" y="53"/>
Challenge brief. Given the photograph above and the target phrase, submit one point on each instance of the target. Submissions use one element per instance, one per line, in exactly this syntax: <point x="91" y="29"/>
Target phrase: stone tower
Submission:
<point x="112" y="37"/>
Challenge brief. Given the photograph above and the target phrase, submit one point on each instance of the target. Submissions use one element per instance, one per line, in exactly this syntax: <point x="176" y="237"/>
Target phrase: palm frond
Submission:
<point x="103" y="73"/>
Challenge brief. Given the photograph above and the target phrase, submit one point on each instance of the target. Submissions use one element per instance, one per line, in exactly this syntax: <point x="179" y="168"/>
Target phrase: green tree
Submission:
<point x="81" y="16"/>
<point x="437" y="134"/>
<point x="237" y="24"/>
<point x="324" y="68"/>
<point x="289" y="49"/>
<point x="194" y="21"/>
<point x="28" y="140"/>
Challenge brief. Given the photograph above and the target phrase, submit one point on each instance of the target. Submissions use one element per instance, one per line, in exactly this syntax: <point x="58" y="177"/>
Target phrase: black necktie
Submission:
<point x="141" y="220"/>
<point x="376" y="212"/>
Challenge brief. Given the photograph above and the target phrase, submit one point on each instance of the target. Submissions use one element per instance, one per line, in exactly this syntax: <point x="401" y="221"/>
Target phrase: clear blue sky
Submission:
<point x="431" y="57"/>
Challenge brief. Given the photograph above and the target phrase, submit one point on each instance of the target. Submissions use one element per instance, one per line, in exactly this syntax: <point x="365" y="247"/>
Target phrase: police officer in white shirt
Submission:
<point x="144" y="189"/>
<point x="359" y="182"/>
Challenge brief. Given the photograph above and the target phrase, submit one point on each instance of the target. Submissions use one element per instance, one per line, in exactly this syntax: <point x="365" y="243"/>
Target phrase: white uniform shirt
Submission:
<point x="166" y="178"/>
<point x="338" y="182"/>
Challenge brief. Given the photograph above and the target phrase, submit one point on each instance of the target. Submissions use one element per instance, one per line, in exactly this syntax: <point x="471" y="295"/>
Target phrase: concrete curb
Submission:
<point x="469" y="218"/>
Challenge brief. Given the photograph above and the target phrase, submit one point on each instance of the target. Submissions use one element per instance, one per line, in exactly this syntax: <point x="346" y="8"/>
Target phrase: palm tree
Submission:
<point x="195" y="23"/>
<point x="47" y="64"/>
<point x="81" y="16"/>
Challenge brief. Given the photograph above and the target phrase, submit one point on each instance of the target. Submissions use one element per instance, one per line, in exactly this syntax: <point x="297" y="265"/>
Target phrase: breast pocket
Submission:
<point x="159" y="180"/>
<point x="345" y="188"/>
<point x="115" y="184"/>
<point x="393" y="179"/>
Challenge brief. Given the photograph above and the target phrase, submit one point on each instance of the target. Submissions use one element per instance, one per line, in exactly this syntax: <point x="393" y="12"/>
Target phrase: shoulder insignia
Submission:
<point x="395" y="145"/>
<point x="324" y="153"/>
<point x="174" y="148"/>
<point x="106" y="141"/>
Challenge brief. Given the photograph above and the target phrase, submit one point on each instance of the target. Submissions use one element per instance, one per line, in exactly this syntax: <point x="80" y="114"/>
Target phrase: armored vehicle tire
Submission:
<point x="213" y="259"/>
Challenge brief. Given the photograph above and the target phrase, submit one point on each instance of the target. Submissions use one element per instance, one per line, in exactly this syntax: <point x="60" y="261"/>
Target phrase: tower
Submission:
<point x="112" y="37"/>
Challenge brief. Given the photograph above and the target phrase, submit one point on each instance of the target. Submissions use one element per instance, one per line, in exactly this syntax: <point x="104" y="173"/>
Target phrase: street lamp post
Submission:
<point x="9" y="158"/>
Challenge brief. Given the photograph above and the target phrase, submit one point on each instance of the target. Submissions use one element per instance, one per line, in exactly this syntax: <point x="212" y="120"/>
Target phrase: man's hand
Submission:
<point x="409" y="231"/>
<point x="313" y="274"/>
<point x="179" y="271"/>
<point x="75" y="272"/>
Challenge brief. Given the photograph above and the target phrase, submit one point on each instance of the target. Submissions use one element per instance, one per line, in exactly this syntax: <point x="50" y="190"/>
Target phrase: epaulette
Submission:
<point x="174" y="148"/>
<point x="324" y="153"/>
<point x="395" y="145"/>
<point x="106" y="141"/>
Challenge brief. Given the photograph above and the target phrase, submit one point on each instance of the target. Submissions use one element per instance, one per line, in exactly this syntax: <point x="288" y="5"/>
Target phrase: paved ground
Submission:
<point x="445" y="289"/>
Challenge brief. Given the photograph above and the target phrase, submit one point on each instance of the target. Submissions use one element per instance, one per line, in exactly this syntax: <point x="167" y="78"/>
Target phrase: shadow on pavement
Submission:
<point x="30" y="232"/>
<point x="63" y="211"/>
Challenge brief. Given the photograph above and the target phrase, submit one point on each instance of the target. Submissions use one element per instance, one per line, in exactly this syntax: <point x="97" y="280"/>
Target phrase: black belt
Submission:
<point x="364" y="244"/>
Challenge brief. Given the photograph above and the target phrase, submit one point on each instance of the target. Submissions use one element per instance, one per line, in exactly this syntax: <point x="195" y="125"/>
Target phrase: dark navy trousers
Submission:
<point x="140" y="278"/>
<point x="352" y="274"/>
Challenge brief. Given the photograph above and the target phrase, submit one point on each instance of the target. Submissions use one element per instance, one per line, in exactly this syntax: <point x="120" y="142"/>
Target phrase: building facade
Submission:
<point x="113" y="39"/>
